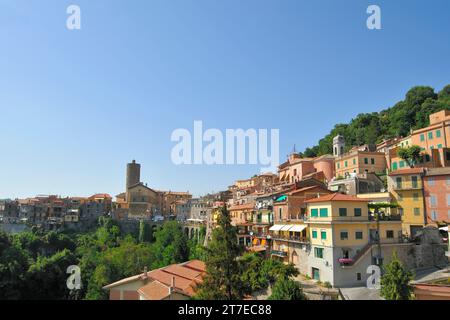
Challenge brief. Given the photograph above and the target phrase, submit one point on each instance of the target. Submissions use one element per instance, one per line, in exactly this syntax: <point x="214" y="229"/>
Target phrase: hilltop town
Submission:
<point x="331" y="216"/>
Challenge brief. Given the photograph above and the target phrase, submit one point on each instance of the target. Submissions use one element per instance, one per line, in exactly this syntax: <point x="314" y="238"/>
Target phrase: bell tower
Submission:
<point x="338" y="145"/>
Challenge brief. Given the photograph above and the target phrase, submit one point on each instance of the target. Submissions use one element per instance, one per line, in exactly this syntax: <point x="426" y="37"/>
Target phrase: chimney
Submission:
<point x="144" y="276"/>
<point x="172" y="285"/>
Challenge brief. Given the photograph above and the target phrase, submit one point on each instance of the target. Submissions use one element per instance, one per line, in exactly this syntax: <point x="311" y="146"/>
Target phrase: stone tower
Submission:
<point x="133" y="173"/>
<point x="338" y="145"/>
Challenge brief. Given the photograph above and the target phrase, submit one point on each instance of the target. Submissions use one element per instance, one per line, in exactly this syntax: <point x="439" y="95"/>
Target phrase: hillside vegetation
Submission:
<point x="411" y="113"/>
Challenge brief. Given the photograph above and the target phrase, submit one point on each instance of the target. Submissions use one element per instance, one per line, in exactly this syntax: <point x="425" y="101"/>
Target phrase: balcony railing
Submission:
<point x="278" y="253"/>
<point x="289" y="238"/>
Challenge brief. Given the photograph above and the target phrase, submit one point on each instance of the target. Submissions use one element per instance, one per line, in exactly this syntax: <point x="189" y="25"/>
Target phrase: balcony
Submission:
<point x="290" y="238"/>
<point x="278" y="253"/>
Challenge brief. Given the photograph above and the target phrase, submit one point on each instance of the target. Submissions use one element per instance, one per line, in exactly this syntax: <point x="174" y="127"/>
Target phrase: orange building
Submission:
<point x="433" y="141"/>
<point x="297" y="168"/>
<point x="360" y="160"/>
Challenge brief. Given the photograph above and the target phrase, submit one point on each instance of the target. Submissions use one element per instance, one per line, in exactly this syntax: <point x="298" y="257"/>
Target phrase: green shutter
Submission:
<point x="314" y="213"/>
<point x="323" y="235"/>
<point x="323" y="212"/>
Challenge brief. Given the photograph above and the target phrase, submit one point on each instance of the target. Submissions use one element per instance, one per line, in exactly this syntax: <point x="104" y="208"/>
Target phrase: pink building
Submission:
<point x="437" y="194"/>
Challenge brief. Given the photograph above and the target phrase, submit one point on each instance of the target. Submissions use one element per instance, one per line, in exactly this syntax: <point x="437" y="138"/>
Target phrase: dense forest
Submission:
<point x="33" y="265"/>
<point x="410" y="113"/>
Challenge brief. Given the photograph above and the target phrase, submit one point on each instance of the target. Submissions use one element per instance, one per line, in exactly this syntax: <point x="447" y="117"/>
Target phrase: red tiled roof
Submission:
<point x="335" y="197"/>
<point x="155" y="290"/>
<point x="406" y="171"/>
<point x="101" y="195"/>
<point x="242" y="206"/>
<point x="186" y="276"/>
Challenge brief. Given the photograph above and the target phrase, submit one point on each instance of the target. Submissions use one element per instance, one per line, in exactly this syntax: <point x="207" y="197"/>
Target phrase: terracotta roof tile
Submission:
<point x="335" y="197"/>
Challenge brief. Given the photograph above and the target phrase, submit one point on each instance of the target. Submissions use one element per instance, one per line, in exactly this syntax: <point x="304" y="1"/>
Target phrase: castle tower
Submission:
<point x="338" y="145"/>
<point x="133" y="173"/>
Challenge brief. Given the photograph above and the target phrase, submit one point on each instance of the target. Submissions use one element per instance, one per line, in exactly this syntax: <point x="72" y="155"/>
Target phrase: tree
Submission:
<point x="369" y="128"/>
<point x="395" y="281"/>
<point x="170" y="246"/>
<point x="411" y="155"/>
<point x="46" y="278"/>
<point x="287" y="289"/>
<point x="223" y="278"/>
<point x="145" y="234"/>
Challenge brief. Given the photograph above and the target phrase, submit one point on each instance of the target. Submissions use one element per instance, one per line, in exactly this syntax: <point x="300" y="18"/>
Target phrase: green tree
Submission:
<point x="170" y="246"/>
<point x="14" y="262"/>
<point x="46" y="278"/>
<point x="411" y="155"/>
<point x="223" y="279"/>
<point x="287" y="289"/>
<point x="395" y="281"/>
<point x="145" y="233"/>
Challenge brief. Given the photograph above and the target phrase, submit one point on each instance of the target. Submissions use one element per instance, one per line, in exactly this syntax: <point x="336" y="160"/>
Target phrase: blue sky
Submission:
<point x="76" y="106"/>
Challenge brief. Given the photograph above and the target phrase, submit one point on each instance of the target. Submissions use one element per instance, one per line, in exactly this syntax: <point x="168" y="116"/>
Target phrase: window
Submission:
<point x="346" y="164"/>
<point x="354" y="161"/>
<point x="344" y="235"/>
<point x="323" y="212"/>
<point x="390" y="234"/>
<point x="438" y="133"/>
<point x="314" y="234"/>
<point x="427" y="158"/>
<point x="338" y="165"/>
<point x="447" y="156"/>
<point x="398" y="181"/>
<point x="430" y="135"/>
<point x="358" y="276"/>
<point x="431" y="181"/>
<point x="314" y="212"/>
<point x="422" y="137"/>
<point x="439" y="146"/>
<point x="358" y="212"/>
<point x="415" y="196"/>
<point x="372" y="161"/>
<point x="433" y="215"/>
<point x="366" y="161"/>
<point x="394" y="166"/>
<point x="433" y="201"/>
<point x="402" y="164"/>
<point x="414" y="181"/>
<point x="323" y="235"/>
<point x="448" y="200"/>
<point x="417" y="211"/>
<point x="431" y="147"/>
<point x="342" y="212"/>
<point x="400" y="211"/>
<point x="318" y="252"/>
<point x="358" y="235"/>
<point x="280" y="213"/>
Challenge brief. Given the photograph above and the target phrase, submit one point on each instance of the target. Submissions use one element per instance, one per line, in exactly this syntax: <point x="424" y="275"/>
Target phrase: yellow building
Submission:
<point x="345" y="239"/>
<point x="406" y="187"/>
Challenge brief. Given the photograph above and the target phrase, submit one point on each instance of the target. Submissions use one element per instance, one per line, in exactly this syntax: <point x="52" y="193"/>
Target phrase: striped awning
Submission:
<point x="286" y="227"/>
<point x="297" y="228"/>
<point x="276" y="227"/>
